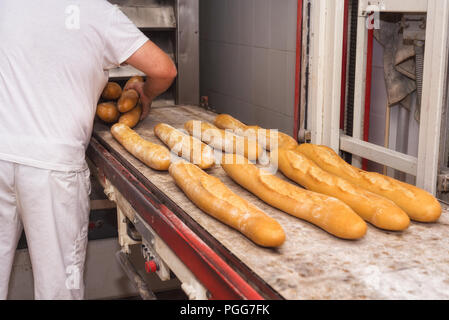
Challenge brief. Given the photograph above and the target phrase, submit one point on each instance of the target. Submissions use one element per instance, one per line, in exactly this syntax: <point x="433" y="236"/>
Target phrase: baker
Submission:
<point x="54" y="62"/>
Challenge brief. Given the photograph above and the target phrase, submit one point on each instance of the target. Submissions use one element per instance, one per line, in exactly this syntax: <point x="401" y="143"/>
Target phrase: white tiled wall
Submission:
<point x="247" y="59"/>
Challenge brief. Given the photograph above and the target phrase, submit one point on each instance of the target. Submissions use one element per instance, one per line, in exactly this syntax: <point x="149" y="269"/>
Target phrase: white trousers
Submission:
<point x="53" y="209"/>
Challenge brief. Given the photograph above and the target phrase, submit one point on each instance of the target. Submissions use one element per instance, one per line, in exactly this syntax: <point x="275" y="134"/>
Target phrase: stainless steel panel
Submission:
<point x="154" y="18"/>
<point x="174" y="26"/>
<point x="154" y="14"/>
<point x="125" y="72"/>
<point x="163" y="39"/>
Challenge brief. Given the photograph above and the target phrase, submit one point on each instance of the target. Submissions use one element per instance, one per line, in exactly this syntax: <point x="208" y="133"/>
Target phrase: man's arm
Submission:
<point x="159" y="69"/>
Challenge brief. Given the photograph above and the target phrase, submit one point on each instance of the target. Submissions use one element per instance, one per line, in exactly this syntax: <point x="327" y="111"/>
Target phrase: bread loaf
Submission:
<point x="263" y="136"/>
<point x="128" y="100"/>
<point x="373" y="208"/>
<point x="133" y="80"/>
<point x="108" y="112"/>
<point x="153" y="155"/>
<point x="185" y="146"/>
<point x="328" y="213"/>
<point x="214" y="198"/>
<point x="225" y="141"/>
<point x="112" y="91"/>
<point x="417" y="203"/>
<point x="131" y="118"/>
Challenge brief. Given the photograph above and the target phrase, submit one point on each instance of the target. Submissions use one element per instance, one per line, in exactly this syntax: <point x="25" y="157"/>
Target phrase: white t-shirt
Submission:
<point x="54" y="62"/>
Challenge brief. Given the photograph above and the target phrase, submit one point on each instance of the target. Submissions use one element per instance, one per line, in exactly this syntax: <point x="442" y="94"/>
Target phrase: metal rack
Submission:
<point x="325" y="60"/>
<point x="173" y="26"/>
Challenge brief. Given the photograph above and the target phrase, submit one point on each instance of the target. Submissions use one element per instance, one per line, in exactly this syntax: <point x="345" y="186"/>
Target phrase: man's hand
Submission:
<point x="159" y="69"/>
<point x="144" y="99"/>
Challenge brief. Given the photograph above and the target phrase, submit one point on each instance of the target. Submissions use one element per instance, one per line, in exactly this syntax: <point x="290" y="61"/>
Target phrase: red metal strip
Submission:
<point x="211" y="270"/>
<point x="369" y="71"/>
<point x="344" y="62"/>
<point x="298" y="69"/>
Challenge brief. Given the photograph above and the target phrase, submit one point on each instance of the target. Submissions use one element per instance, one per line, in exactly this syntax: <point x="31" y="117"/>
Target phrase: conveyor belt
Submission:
<point x="311" y="264"/>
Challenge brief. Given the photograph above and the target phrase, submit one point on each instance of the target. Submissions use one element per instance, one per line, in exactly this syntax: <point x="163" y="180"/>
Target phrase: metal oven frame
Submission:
<point x="327" y="28"/>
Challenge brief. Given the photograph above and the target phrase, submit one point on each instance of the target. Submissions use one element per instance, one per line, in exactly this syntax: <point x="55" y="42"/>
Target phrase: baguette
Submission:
<point x="225" y="121"/>
<point x="417" y="203"/>
<point x="133" y="79"/>
<point x="128" y="100"/>
<point x="373" y="208"/>
<point x="185" y="146"/>
<point x="112" y="91"/>
<point x="107" y="111"/>
<point x="225" y="141"/>
<point x="131" y="118"/>
<point x="153" y="155"/>
<point x="214" y="198"/>
<point x="328" y="213"/>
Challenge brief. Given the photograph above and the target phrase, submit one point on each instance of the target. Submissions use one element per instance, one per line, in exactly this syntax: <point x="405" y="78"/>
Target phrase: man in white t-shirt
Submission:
<point x="54" y="62"/>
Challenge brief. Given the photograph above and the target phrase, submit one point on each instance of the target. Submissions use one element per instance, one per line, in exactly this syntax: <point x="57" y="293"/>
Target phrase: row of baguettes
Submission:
<point x="417" y="203"/>
<point x="381" y="200"/>
<point x="333" y="202"/>
<point x="206" y="191"/>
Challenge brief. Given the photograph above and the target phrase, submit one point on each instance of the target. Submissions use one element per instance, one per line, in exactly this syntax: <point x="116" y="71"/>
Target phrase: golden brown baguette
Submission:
<point x="225" y="141"/>
<point x="112" y="91"/>
<point x="108" y="112"/>
<point x="185" y="146"/>
<point x="128" y="100"/>
<point x="373" y="208"/>
<point x="417" y="203"/>
<point x="131" y="118"/>
<point x="225" y="121"/>
<point x="328" y="213"/>
<point x="153" y="155"/>
<point x="213" y="197"/>
<point x="132" y="80"/>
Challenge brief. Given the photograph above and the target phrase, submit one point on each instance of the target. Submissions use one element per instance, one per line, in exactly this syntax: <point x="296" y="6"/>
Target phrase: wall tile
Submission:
<point x="232" y="70"/>
<point x="248" y="59"/>
<point x="246" y="22"/>
<point x="205" y="13"/>
<point x="261" y="77"/>
<point x="233" y="21"/>
<point x="278" y="81"/>
<point x="213" y="68"/>
<point x="270" y="119"/>
<point x="262" y="24"/>
<point x="291" y="26"/>
<point x="244" y="78"/>
<point x="205" y="74"/>
<point x="279" y="24"/>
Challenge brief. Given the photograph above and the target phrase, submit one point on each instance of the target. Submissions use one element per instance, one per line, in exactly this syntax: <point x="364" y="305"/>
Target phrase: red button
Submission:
<point x="150" y="266"/>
